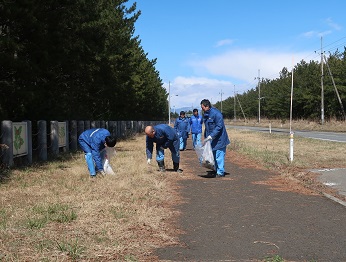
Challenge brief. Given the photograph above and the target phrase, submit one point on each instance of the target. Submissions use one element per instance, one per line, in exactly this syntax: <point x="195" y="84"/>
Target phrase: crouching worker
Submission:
<point x="165" y="137"/>
<point x="92" y="142"/>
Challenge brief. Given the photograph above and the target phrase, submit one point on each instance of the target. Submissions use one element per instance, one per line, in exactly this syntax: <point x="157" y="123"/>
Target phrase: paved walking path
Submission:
<point x="251" y="215"/>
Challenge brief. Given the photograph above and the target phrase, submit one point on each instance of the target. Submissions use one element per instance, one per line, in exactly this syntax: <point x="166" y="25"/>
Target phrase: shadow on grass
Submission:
<point x="20" y="164"/>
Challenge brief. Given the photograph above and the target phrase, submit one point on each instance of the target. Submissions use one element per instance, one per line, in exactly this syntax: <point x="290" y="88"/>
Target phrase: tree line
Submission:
<point x="76" y="60"/>
<point x="81" y="60"/>
<point x="275" y="94"/>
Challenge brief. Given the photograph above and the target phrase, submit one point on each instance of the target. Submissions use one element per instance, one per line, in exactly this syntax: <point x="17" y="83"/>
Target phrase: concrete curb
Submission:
<point x="335" y="199"/>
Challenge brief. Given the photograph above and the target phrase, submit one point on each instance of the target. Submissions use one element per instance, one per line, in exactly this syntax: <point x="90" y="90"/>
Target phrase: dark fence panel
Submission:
<point x="46" y="137"/>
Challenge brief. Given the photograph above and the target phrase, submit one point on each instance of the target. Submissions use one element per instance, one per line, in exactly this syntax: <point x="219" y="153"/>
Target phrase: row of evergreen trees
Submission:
<point x="75" y="60"/>
<point x="307" y="96"/>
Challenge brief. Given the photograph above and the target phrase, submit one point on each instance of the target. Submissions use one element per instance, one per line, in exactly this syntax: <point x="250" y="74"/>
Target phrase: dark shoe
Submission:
<point x="219" y="176"/>
<point x="161" y="166"/>
<point x="176" y="167"/>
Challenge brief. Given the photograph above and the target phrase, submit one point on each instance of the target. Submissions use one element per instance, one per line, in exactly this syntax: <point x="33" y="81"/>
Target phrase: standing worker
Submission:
<point x="196" y="122"/>
<point x="215" y="132"/>
<point x="182" y="127"/>
<point x="92" y="142"/>
<point x="165" y="137"/>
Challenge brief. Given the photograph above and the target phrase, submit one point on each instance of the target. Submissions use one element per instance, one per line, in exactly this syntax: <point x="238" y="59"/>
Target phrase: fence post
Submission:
<point x="7" y="142"/>
<point x="73" y="135"/>
<point x="66" y="148"/>
<point x="29" y="132"/>
<point x="42" y="140"/>
<point x="80" y="128"/>
<point x="118" y="128"/>
<point x="95" y="124"/>
<point x="87" y="125"/>
<point x="54" y="138"/>
<point x="112" y="128"/>
<point x="123" y="128"/>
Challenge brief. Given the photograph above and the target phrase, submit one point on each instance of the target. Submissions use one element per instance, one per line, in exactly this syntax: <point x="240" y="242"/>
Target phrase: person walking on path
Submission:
<point x="165" y="137"/>
<point x="93" y="142"/>
<point x="196" y="122"/>
<point x="182" y="127"/>
<point x="215" y="131"/>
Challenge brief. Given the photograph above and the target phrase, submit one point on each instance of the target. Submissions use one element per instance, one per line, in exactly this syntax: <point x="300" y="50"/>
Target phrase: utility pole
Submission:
<point x="235" y="118"/>
<point x="169" y="102"/>
<point x="322" y="92"/>
<point x="259" y="97"/>
<point x="221" y="100"/>
<point x="291" y="114"/>
<point x="336" y="90"/>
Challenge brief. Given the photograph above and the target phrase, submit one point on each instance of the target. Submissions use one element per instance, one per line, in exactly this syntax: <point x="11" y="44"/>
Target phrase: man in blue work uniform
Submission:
<point x="165" y="137"/>
<point x="196" y="122"/>
<point x="215" y="131"/>
<point x="182" y="127"/>
<point x="92" y="142"/>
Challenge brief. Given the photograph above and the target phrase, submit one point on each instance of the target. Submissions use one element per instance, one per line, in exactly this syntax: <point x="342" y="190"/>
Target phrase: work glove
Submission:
<point x="209" y="138"/>
<point x="148" y="161"/>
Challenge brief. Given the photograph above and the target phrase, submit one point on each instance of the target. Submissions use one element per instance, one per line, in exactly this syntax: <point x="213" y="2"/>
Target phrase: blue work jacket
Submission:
<point x="182" y="127"/>
<point x="95" y="140"/>
<point x="196" y="124"/>
<point x="215" y="127"/>
<point x="164" y="137"/>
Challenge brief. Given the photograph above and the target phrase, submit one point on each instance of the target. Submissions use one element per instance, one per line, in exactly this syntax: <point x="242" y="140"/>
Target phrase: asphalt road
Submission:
<point x="327" y="136"/>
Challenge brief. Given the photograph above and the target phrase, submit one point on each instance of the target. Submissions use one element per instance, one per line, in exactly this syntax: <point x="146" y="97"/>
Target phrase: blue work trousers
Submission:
<point x="174" y="148"/>
<point x="219" y="156"/>
<point x="196" y="139"/>
<point x="182" y="143"/>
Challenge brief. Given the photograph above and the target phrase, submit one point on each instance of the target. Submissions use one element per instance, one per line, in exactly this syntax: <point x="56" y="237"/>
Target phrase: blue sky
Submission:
<point x="206" y="49"/>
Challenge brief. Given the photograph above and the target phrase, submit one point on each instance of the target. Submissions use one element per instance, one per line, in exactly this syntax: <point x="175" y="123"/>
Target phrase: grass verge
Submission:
<point x="272" y="152"/>
<point x="55" y="212"/>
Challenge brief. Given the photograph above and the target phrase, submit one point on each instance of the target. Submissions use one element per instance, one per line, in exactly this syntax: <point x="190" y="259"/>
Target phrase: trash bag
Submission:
<point x="205" y="155"/>
<point x="109" y="152"/>
<point x="107" y="167"/>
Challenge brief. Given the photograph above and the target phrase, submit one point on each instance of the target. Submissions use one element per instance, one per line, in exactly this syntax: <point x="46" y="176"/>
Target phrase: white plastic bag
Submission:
<point x="205" y="155"/>
<point x="107" y="168"/>
<point x="109" y="153"/>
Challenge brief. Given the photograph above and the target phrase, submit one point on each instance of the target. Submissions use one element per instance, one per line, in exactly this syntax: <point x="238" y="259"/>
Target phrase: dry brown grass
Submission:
<point x="272" y="150"/>
<point x="55" y="212"/>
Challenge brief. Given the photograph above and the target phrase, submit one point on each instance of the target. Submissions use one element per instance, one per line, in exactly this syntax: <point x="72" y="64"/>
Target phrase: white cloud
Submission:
<point x="333" y="25"/>
<point x="239" y="66"/>
<point x="224" y="42"/>
<point x="310" y="34"/>
<point x="330" y="23"/>
<point x="189" y="91"/>
<point x="244" y="64"/>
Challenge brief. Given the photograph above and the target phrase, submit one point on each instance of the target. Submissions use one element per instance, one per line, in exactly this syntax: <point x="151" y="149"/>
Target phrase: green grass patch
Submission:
<point x="60" y="213"/>
<point x="72" y="249"/>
